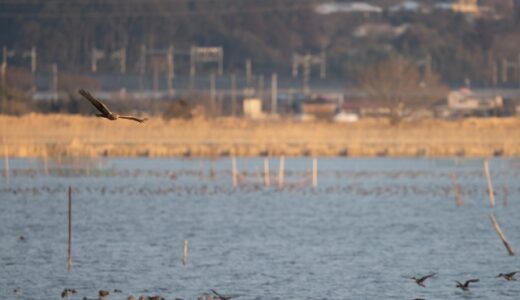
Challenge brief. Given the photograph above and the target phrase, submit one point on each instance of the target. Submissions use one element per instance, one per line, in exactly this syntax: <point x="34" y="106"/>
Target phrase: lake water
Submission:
<point x="365" y="227"/>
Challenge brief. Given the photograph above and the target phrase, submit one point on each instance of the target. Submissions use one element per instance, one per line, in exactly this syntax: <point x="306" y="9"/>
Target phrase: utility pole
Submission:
<point x="96" y="55"/>
<point x="233" y="94"/>
<point x="3" y="74"/>
<point x="261" y="87"/>
<point x="274" y="92"/>
<point x="306" y="73"/>
<point x="142" y="67"/>
<point x="518" y="69"/>
<point x="306" y="61"/>
<point x="212" y="93"/>
<point x="54" y="68"/>
<point x="323" y="65"/>
<point x="32" y="54"/>
<point x="504" y="70"/>
<point x="171" y="69"/>
<point x="121" y="56"/>
<point x="248" y="72"/>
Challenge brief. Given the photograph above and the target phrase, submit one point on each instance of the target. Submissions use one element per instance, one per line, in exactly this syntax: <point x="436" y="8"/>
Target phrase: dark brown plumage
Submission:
<point x="223" y="297"/>
<point x="420" y="281"/>
<point x="103" y="293"/>
<point x="104" y="111"/>
<point x="465" y="286"/>
<point x="67" y="292"/>
<point x="508" y="276"/>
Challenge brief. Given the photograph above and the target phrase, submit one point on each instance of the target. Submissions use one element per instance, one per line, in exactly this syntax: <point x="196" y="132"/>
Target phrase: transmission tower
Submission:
<point x="307" y="61"/>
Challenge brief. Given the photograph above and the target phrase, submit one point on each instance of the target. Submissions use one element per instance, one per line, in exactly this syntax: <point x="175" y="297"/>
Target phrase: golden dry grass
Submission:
<point x="69" y="135"/>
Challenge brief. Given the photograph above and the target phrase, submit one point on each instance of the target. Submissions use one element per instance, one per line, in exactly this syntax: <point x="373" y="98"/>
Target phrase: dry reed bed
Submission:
<point x="70" y="135"/>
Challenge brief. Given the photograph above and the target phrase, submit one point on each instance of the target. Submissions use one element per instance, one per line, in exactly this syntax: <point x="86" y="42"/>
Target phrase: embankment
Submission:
<point x="68" y="135"/>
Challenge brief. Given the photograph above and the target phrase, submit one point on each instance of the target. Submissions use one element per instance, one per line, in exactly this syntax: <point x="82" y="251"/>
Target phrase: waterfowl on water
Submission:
<point x="68" y="292"/>
<point x="508" y="276"/>
<point x="104" y="111"/>
<point x="420" y="281"/>
<point x="103" y="294"/>
<point x="151" y="298"/>
<point x="465" y="286"/>
<point x="222" y="297"/>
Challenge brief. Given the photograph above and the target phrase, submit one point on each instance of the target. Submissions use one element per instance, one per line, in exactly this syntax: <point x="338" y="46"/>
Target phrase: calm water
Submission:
<point x="368" y="224"/>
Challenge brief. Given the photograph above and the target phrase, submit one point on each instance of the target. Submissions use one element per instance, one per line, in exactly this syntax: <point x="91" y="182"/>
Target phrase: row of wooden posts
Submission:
<point x="267" y="173"/>
<point x="281" y="171"/>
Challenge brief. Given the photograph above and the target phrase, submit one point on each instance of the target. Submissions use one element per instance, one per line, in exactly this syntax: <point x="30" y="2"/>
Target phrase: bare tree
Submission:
<point x="401" y="87"/>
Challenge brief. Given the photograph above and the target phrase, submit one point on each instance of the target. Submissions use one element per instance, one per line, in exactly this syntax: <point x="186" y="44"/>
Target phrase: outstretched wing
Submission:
<point x="471" y="280"/>
<point x="98" y="104"/>
<point x="218" y="295"/>
<point x="133" y="118"/>
<point x="427" y="276"/>
<point x="458" y="283"/>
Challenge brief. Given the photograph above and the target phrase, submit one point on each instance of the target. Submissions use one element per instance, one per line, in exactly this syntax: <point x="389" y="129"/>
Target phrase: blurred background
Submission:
<point x="308" y="58"/>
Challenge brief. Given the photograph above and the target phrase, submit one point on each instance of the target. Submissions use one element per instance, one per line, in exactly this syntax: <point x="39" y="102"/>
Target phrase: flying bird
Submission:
<point x="420" y="281"/>
<point x="508" y="276"/>
<point x="465" y="286"/>
<point x="104" y="111"/>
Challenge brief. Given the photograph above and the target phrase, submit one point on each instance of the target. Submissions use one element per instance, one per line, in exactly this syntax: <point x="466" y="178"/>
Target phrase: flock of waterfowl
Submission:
<point x="104" y="294"/>
<point x="463" y="286"/>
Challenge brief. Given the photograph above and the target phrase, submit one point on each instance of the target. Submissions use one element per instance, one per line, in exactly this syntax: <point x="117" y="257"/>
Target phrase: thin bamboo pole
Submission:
<point x="314" y="172"/>
<point x="501" y="234"/>
<point x="185" y="252"/>
<point x="45" y="163"/>
<point x="234" y="171"/>
<point x="456" y="188"/>
<point x="267" y="178"/>
<point x="281" y="171"/>
<point x="489" y="184"/>
<point x="69" y="259"/>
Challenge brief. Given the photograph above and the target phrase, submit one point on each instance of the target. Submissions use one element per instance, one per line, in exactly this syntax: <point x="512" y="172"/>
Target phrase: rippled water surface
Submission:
<point x="368" y="225"/>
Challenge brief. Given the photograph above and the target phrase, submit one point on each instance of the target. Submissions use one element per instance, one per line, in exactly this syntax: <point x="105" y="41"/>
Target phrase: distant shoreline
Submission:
<point x="38" y="135"/>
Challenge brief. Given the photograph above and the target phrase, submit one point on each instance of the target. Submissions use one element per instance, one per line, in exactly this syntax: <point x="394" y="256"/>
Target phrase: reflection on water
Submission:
<point x="368" y="224"/>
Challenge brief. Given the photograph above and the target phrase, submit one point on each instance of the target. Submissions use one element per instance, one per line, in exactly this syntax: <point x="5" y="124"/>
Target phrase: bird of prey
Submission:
<point x="465" y="286"/>
<point x="508" y="276"/>
<point x="104" y="111"/>
<point x="420" y="281"/>
<point x="222" y="297"/>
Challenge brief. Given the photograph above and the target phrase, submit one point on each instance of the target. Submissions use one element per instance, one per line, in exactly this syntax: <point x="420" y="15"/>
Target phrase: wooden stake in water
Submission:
<point x="501" y="234"/>
<point x="456" y="188"/>
<point x="45" y="163"/>
<point x="69" y="259"/>
<point x="281" y="171"/>
<point x="489" y="184"/>
<point x="234" y="171"/>
<point x="185" y="252"/>
<point x="314" y="172"/>
<point x="267" y="178"/>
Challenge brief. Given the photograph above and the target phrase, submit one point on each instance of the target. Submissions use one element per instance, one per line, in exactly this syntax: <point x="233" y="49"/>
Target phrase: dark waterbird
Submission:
<point x="151" y="298"/>
<point x="68" y="292"/>
<point x="104" y="111"/>
<point x="508" y="276"/>
<point x="420" y="281"/>
<point x="223" y="297"/>
<point x="465" y="286"/>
